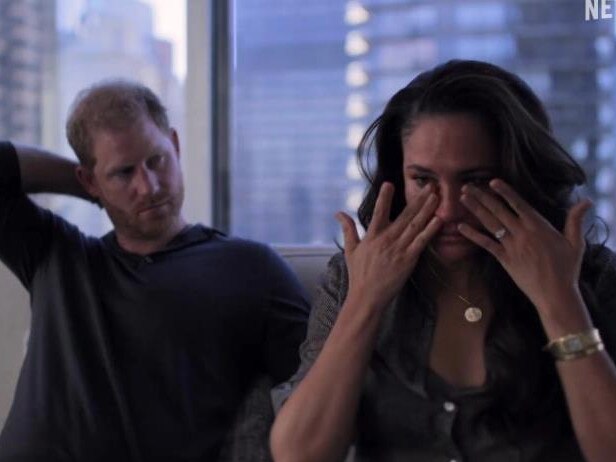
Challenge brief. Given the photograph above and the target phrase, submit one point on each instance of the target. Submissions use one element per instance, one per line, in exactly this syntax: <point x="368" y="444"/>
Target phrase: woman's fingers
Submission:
<point x="418" y="223"/>
<point x="416" y="219"/>
<point x="349" y="232"/>
<point x="573" y="230"/>
<point x="480" y="239"/>
<point x="515" y="201"/>
<point x="489" y="209"/>
<point x="382" y="209"/>
<point x="421" y="240"/>
<point x="413" y="207"/>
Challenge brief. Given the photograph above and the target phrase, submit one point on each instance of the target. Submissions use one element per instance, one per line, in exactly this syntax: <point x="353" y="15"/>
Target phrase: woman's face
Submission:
<point x="449" y="151"/>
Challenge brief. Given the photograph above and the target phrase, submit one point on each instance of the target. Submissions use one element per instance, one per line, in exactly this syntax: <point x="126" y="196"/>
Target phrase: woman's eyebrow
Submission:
<point x="419" y="168"/>
<point x="480" y="170"/>
<point x="468" y="171"/>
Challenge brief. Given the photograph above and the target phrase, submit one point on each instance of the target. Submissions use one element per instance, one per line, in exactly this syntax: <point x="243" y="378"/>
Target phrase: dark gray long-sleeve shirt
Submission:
<point x="132" y="357"/>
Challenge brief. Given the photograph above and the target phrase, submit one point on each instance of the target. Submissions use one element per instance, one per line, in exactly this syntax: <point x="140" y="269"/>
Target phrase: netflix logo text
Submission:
<point x="598" y="9"/>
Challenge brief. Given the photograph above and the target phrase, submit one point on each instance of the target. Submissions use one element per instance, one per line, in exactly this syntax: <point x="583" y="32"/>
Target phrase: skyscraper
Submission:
<point x="287" y="119"/>
<point x="310" y="76"/>
<point x="568" y="61"/>
<point x="27" y="32"/>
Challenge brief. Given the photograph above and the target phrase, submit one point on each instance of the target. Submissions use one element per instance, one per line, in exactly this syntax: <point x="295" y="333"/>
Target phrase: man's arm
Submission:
<point x="25" y="228"/>
<point x="287" y="310"/>
<point x="45" y="172"/>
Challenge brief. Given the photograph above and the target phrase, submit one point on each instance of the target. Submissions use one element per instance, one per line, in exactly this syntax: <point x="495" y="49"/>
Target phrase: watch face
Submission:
<point x="573" y="344"/>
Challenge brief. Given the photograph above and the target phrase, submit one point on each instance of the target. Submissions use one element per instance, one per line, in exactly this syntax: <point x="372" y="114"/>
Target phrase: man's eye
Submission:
<point x="155" y="161"/>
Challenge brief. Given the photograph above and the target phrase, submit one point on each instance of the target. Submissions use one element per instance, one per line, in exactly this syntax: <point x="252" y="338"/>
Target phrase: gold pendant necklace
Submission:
<point x="472" y="313"/>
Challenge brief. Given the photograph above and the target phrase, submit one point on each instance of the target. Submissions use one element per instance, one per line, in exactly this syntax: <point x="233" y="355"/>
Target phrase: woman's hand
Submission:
<point x="382" y="261"/>
<point x="543" y="262"/>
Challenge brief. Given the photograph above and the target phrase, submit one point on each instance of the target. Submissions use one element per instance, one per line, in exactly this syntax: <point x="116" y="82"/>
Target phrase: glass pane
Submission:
<point x="308" y="77"/>
<point x="49" y="50"/>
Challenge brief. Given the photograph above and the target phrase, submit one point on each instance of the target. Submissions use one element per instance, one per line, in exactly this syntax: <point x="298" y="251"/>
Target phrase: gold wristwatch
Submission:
<point x="575" y="346"/>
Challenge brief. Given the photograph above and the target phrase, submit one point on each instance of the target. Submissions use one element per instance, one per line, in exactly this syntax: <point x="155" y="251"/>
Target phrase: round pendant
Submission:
<point x="473" y="314"/>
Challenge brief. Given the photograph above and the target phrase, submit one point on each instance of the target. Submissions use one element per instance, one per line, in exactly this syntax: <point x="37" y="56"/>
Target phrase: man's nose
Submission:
<point x="147" y="183"/>
<point x="450" y="208"/>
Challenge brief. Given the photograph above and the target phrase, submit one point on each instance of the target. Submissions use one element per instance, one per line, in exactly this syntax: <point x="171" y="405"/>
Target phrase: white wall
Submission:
<point x="14" y="320"/>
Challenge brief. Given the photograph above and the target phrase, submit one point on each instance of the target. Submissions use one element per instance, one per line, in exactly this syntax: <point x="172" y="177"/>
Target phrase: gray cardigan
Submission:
<point x="407" y="412"/>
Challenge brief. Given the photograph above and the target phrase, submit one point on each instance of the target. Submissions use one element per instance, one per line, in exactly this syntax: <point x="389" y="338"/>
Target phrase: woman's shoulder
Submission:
<point x="337" y="262"/>
<point x="336" y="272"/>
<point x="334" y="282"/>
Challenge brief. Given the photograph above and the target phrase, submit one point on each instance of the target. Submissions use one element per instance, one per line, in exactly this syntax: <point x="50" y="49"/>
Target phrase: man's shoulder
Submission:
<point x="240" y="248"/>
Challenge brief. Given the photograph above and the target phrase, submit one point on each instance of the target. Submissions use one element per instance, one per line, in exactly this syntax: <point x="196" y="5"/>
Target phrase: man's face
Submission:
<point x="137" y="179"/>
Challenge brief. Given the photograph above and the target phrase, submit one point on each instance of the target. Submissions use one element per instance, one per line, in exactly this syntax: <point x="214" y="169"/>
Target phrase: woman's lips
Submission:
<point x="450" y="238"/>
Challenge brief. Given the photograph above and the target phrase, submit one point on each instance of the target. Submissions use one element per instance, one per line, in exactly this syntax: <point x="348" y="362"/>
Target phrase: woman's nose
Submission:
<point x="450" y="208"/>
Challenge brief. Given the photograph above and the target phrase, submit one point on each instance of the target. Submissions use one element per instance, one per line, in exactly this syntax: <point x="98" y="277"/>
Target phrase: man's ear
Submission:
<point x="175" y="140"/>
<point x="87" y="180"/>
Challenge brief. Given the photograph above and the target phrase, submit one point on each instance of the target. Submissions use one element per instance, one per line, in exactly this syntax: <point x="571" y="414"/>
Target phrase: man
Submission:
<point x="143" y="342"/>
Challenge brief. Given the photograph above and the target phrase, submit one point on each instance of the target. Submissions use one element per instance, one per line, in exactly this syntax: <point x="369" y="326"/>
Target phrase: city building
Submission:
<point x="308" y="78"/>
<point x="569" y="62"/>
<point x="27" y="38"/>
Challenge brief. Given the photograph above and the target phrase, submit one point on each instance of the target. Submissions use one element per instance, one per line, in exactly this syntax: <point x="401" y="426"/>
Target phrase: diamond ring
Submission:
<point x="501" y="233"/>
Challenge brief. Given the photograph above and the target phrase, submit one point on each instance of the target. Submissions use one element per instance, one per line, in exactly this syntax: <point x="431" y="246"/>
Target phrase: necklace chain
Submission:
<point x="472" y="313"/>
<point x="440" y="279"/>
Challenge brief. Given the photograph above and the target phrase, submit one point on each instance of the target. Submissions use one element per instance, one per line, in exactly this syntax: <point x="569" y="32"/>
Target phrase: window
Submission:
<point x="296" y="85"/>
<point x="481" y="15"/>
<point x="57" y="48"/>
<point x="307" y="78"/>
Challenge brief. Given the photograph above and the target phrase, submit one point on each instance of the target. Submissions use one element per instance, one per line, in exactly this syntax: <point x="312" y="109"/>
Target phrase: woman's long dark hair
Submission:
<point x="529" y="159"/>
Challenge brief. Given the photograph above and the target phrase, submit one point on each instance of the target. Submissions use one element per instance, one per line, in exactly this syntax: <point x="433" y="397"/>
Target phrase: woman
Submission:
<point x="426" y="340"/>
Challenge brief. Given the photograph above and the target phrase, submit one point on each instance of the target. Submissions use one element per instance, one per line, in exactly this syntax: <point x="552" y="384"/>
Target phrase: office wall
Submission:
<point x="14" y="320"/>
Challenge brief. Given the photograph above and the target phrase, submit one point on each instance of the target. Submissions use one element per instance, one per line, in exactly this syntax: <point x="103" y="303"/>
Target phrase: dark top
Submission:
<point x="138" y="358"/>
<point x="407" y="412"/>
